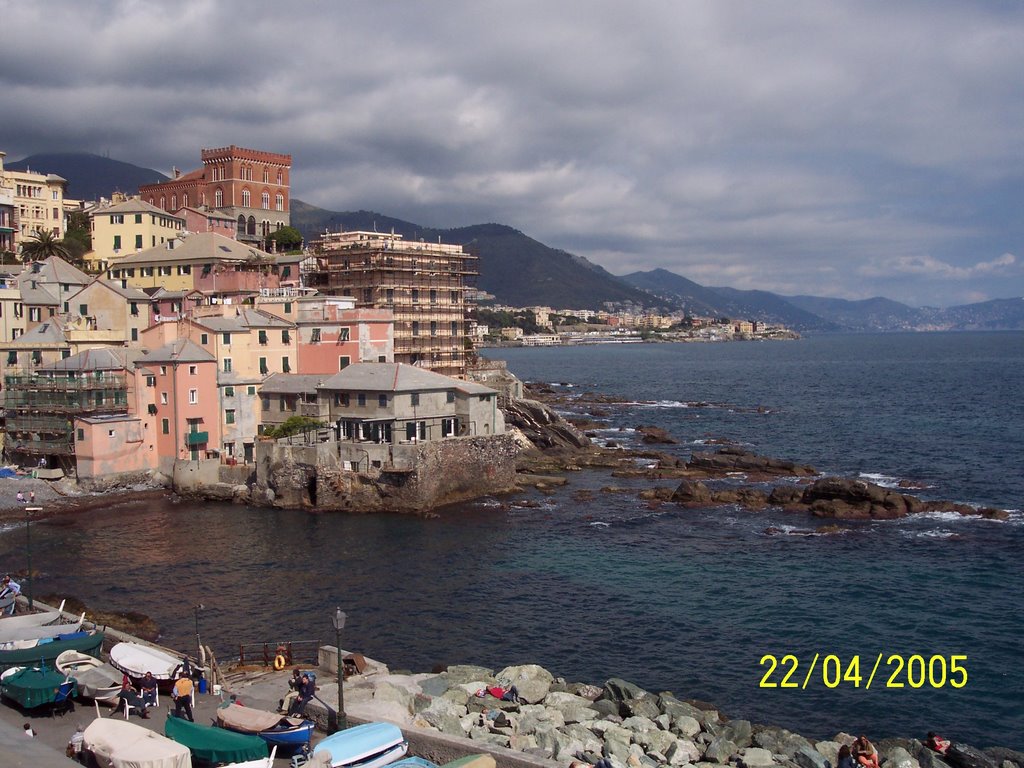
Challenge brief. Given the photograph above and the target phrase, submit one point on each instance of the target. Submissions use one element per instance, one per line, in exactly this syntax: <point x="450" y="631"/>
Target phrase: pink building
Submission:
<point x="208" y="220"/>
<point x="187" y="408"/>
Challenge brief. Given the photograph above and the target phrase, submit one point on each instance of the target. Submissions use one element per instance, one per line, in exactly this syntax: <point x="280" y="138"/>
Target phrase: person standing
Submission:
<point x="182" y="694"/>
<point x="9" y="587"/>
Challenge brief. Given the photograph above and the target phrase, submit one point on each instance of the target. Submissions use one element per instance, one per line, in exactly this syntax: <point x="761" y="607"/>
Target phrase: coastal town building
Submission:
<point x="183" y="377"/>
<point x="74" y="413"/>
<point x="224" y="270"/>
<point x="208" y="220"/>
<point x="8" y="214"/>
<point x="128" y="226"/>
<point x="423" y="284"/>
<point x="250" y="186"/>
<point x="36" y="200"/>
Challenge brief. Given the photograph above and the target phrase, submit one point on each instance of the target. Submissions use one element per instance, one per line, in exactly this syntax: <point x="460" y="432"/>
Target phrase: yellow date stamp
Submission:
<point x="895" y="670"/>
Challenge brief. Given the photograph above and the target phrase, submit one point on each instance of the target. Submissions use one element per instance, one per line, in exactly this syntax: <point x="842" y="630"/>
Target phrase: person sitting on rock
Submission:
<point x="845" y="759"/>
<point x="937" y="743"/>
<point x="864" y="752"/>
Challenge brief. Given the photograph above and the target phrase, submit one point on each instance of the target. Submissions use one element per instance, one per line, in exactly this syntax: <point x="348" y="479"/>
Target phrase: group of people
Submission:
<point x="146" y="695"/>
<point x="862" y="753"/>
<point x="302" y="688"/>
<point x="23" y="499"/>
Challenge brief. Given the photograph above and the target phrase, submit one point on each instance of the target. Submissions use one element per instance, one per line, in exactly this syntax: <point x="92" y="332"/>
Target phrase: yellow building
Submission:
<point x="127" y="227"/>
<point x="205" y="261"/>
<point x="38" y="202"/>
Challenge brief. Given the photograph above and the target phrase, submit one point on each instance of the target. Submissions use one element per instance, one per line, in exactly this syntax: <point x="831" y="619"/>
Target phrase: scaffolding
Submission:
<point x="423" y="284"/>
<point x="40" y="411"/>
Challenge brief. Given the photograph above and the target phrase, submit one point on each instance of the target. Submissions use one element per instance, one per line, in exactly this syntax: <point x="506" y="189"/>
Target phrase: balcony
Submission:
<point x="196" y="438"/>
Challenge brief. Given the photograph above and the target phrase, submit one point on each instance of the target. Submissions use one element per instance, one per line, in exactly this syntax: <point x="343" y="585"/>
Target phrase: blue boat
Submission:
<point x="366" y="746"/>
<point x="288" y="733"/>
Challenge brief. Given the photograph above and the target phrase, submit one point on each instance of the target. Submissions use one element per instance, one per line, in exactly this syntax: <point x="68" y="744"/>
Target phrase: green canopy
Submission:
<point x="34" y="687"/>
<point x="215" y="745"/>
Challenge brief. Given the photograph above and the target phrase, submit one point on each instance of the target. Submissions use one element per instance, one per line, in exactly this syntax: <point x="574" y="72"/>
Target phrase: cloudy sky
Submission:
<point x="839" y="149"/>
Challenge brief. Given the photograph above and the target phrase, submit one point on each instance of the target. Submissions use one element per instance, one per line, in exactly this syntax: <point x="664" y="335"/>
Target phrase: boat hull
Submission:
<point x="48" y="652"/>
<point x="372" y="745"/>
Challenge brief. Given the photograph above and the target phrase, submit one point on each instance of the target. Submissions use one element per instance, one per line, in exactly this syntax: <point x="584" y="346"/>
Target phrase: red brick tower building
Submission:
<point x="249" y="185"/>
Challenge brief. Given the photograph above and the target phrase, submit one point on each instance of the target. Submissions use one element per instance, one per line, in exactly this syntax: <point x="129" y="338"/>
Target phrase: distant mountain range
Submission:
<point x="521" y="271"/>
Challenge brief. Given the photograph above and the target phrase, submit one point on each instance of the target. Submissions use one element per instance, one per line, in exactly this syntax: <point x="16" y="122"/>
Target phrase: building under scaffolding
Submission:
<point x="424" y="285"/>
<point x="40" y="411"/>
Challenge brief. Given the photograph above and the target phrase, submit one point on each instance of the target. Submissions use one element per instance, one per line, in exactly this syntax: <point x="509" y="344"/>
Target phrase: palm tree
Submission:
<point x="42" y="246"/>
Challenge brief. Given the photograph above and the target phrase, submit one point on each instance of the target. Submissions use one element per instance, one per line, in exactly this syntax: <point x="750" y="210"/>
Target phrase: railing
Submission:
<point x="293" y="652"/>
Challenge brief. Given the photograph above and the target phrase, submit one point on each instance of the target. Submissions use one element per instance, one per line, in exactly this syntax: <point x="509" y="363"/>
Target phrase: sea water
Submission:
<point x="592" y="583"/>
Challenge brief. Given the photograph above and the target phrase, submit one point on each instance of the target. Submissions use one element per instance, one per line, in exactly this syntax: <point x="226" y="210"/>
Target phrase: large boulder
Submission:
<point x="756" y="757"/>
<point x="720" y="751"/>
<point x="619" y="690"/>
<point x="898" y="757"/>
<point x="691" y="492"/>
<point x="965" y="756"/>
<point x="531" y="680"/>
<point x="808" y="757"/>
<point x="459" y="674"/>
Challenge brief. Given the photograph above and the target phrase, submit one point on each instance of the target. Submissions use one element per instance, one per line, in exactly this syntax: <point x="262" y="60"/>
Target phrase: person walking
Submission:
<point x="75" y="745"/>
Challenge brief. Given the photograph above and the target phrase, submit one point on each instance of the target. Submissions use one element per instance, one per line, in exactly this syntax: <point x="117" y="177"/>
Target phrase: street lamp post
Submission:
<point x="28" y="549"/>
<point x="199" y="643"/>
<point x="339" y="624"/>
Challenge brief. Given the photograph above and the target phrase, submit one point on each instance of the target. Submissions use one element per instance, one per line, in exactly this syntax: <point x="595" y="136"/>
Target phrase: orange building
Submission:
<point x="249" y="185"/>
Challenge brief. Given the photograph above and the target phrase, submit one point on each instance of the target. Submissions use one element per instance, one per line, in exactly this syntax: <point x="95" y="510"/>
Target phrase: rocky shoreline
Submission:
<point x="631" y="727"/>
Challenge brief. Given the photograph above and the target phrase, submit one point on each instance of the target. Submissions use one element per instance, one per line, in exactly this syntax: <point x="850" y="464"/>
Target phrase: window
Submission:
<point x="229" y="391"/>
<point x="218" y="198"/>
<point x="226" y="338"/>
<point x="344" y="334"/>
<point x="343" y="362"/>
<point x="229" y="416"/>
<point x="117" y="218"/>
<point x="415" y="295"/>
<point x="342" y="399"/>
<point x="135" y="334"/>
<point x="12" y="357"/>
<point x="280" y="202"/>
<point x="117" y="242"/>
<point x="138" y="218"/>
<point x="280" y="177"/>
<point x="415" y="327"/>
<point x="252" y="390"/>
<point x="174" y="202"/>
<point x="193" y="396"/>
<point x="163" y="370"/>
<point x="263" y="365"/>
<point x="265" y="201"/>
<point x="285" y="365"/>
<point x="245" y="198"/>
<point x="361" y="399"/>
<point x="83" y="309"/>
<point x="287" y="305"/>
<point x="448" y="427"/>
<point x="286" y="337"/>
<point x="263" y="337"/>
<point x="266" y="175"/>
<point x="382" y="401"/>
<point x="265" y="402"/>
<point x="34" y="314"/>
<point x="151" y="381"/>
<point x="455" y="328"/>
<point x="165" y="426"/>
<point x="133" y="307"/>
<point x="204" y="339"/>
<point x="415" y="398"/>
<point x="314" y="336"/>
<point x="193" y="370"/>
<point x="433" y="296"/>
<point x="433" y="327"/>
<point x="81" y="435"/>
<point x="450" y="396"/>
<point x="138" y="241"/>
<point x="227" y="365"/>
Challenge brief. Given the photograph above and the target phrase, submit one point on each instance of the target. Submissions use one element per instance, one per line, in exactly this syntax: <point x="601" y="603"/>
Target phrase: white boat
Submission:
<point x="372" y="745"/>
<point x="18" y="634"/>
<point x="96" y="679"/>
<point x="135" y="660"/>
<point x="32" y="619"/>
<point x="121" y="744"/>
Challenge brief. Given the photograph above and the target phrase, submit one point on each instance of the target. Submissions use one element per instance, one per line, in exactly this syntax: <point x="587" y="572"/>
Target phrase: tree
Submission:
<point x="286" y="239"/>
<point x="294" y="425"/>
<point x="42" y="245"/>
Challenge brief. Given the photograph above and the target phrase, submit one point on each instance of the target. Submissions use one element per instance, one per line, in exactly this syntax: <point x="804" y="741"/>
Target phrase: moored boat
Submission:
<point x="136" y="659"/>
<point x="288" y="733"/>
<point x="372" y="745"/>
<point x="32" y="619"/>
<point x="34" y="686"/>
<point x="121" y="744"/>
<point x="47" y="651"/>
<point x="96" y="679"/>
<point x="215" y="745"/>
<point x="18" y="634"/>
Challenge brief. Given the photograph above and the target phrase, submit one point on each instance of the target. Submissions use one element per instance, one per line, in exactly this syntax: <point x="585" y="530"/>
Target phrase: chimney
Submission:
<point x="175" y="172"/>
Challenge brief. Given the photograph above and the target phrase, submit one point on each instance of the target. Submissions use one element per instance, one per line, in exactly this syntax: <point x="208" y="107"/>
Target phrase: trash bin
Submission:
<point x="202" y="685"/>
